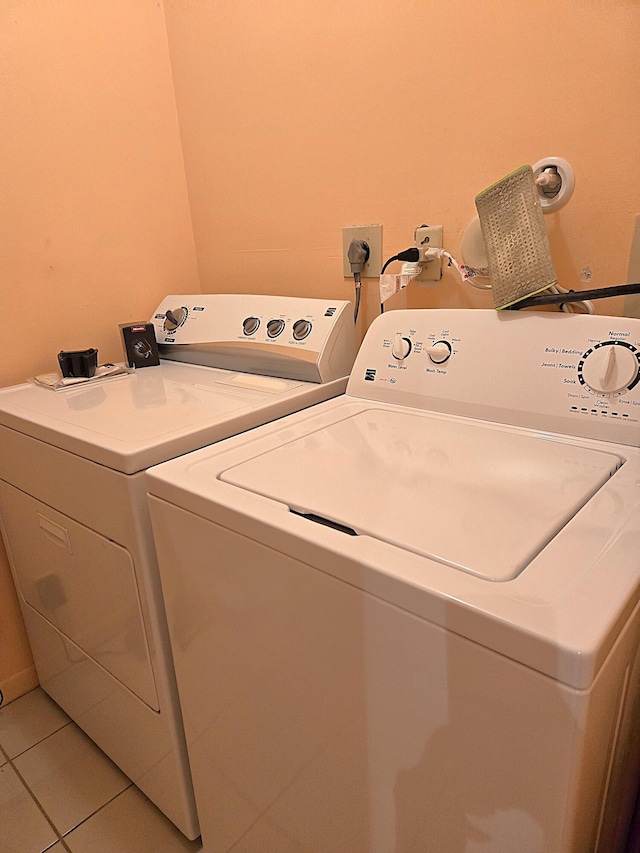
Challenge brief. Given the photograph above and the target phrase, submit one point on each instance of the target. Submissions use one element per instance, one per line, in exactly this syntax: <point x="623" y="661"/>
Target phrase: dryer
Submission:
<point x="408" y="619"/>
<point x="75" y="518"/>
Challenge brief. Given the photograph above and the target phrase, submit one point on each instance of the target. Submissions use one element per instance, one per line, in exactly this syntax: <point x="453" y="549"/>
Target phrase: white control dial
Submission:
<point x="274" y="328"/>
<point x="175" y="318"/>
<point x="401" y="347"/>
<point x="609" y="368"/>
<point x="439" y="352"/>
<point x="301" y="328"/>
<point x="250" y="325"/>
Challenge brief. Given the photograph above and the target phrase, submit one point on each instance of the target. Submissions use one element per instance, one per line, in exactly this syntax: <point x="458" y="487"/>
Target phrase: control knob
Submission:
<point x="250" y="325"/>
<point x="301" y="329"/>
<point x="439" y="352"/>
<point x="174" y="318"/>
<point x="608" y="368"/>
<point x="274" y="328"/>
<point x="401" y="347"/>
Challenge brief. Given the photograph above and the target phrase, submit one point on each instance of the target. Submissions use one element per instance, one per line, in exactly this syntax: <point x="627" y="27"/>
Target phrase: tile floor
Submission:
<point x="59" y="792"/>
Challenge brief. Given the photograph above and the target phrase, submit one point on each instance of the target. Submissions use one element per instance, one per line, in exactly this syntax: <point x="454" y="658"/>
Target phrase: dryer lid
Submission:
<point x="481" y="498"/>
<point x="131" y="422"/>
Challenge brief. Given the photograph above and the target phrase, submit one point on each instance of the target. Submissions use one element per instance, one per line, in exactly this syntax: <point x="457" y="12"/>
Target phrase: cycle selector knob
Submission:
<point x="609" y="368"/>
<point x="401" y="347"/>
<point x="439" y="352"/>
<point x="250" y="325"/>
<point x="301" y="329"/>
<point x="275" y="328"/>
<point x="174" y="318"/>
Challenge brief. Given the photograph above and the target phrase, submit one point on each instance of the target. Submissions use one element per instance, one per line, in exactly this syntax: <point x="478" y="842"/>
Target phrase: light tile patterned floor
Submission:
<point x="60" y="793"/>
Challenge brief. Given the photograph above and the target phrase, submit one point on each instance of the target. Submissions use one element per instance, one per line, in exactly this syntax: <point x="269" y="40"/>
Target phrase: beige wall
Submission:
<point x="95" y="225"/>
<point x="298" y="118"/>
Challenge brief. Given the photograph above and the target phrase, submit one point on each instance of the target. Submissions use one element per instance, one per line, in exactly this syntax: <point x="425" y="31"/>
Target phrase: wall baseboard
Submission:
<point x="18" y="684"/>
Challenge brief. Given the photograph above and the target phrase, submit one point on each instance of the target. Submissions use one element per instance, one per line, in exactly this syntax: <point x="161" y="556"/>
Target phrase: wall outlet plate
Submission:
<point x="371" y="234"/>
<point x="429" y="237"/>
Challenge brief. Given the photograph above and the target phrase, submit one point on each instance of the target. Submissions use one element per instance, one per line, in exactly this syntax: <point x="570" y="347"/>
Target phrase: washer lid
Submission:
<point x="480" y="498"/>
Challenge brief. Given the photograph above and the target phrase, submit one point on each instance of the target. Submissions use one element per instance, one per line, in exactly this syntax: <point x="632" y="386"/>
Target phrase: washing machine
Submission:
<point x="407" y="620"/>
<point x="75" y="518"/>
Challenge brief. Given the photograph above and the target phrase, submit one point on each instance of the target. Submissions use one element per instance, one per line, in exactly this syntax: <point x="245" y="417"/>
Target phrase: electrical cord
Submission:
<point x="466" y="273"/>
<point x="356" y="308"/>
<point x="471" y="276"/>
<point x="410" y="256"/>
<point x="576" y="296"/>
<point x="572" y="307"/>
<point x="358" y="255"/>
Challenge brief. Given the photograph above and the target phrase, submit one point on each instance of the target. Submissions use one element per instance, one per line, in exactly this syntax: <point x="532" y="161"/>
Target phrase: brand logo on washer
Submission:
<point x="138" y="328"/>
<point x="369" y="375"/>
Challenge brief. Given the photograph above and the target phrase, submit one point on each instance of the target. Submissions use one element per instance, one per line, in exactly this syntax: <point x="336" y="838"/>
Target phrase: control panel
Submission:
<point x="572" y="373"/>
<point x="290" y="337"/>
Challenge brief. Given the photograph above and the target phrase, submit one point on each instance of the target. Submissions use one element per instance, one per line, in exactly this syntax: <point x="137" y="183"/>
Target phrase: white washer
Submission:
<point x="75" y="518"/>
<point x="408" y="619"/>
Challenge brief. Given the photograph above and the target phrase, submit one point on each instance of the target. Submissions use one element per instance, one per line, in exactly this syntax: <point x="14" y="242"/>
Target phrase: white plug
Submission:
<point x="429" y="237"/>
<point x="412" y="269"/>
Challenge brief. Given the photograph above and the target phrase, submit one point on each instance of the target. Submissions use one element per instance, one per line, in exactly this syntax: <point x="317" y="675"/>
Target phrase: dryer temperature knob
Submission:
<point x="275" y="328"/>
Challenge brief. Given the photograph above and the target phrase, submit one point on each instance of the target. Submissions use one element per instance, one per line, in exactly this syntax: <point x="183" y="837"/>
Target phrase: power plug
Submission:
<point x="429" y="237"/>
<point x="372" y="236"/>
<point x="358" y="254"/>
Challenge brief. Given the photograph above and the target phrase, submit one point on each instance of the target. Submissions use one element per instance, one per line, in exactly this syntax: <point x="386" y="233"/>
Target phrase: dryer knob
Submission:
<point x="250" y="325"/>
<point x="274" y="328"/>
<point x="301" y="329"/>
<point x="174" y="318"/>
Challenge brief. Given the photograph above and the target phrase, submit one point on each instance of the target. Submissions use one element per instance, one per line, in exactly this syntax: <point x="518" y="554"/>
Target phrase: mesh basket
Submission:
<point x="515" y="238"/>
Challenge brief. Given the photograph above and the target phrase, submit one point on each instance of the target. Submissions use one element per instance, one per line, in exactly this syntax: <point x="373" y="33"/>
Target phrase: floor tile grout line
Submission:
<point x="35" y="799"/>
<point x="37" y="743"/>
<point x="64" y="846"/>
<point x="59" y="836"/>
<point x="94" y="813"/>
<point x="59" y="839"/>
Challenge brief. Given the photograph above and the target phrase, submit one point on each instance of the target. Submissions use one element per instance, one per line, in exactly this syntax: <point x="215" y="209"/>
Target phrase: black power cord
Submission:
<point x="410" y="256"/>
<point x="575" y="296"/>
<point x="358" y="255"/>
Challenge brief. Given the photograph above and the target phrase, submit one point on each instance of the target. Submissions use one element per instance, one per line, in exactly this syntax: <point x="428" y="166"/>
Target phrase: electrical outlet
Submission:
<point x="372" y="235"/>
<point x="429" y="237"/>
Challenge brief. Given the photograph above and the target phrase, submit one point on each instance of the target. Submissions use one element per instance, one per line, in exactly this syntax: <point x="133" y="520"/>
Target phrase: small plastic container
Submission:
<point x="78" y="363"/>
